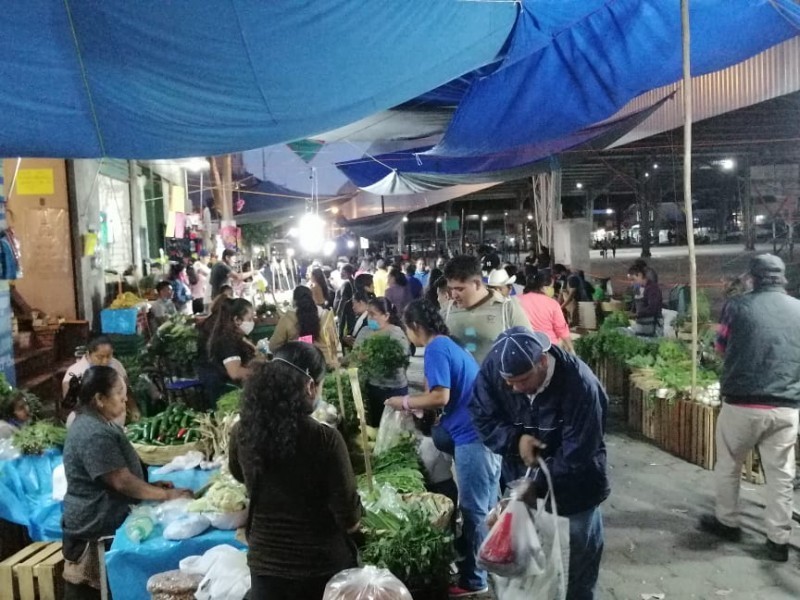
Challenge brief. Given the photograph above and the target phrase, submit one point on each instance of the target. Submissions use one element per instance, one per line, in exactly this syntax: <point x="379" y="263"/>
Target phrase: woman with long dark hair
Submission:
<point x="225" y="351"/>
<point x="450" y="373"/>
<point x="303" y="497"/>
<point x="104" y="477"/>
<point x="307" y="319"/>
<point x="321" y="291"/>
<point x="382" y="319"/>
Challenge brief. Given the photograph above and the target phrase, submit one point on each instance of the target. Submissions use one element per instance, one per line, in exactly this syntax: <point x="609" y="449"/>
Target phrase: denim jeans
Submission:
<point x="585" y="552"/>
<point x="478" y="477"/>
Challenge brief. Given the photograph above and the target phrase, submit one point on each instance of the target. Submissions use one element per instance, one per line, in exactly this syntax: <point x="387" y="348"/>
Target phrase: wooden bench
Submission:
<point x="33" y="573"/>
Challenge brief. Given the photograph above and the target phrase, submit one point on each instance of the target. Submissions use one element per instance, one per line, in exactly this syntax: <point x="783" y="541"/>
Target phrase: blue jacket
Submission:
<point x="569" y="416"/>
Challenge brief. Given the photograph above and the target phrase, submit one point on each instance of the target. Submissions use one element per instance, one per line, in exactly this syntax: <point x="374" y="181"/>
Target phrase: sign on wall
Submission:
<point x="35" y="182"/>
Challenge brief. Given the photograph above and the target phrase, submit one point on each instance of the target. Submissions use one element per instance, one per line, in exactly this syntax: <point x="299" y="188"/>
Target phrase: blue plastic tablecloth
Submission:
<point x="193" y="479"/>
<point x="130" y="565"/>
<point x="26" y="494"/>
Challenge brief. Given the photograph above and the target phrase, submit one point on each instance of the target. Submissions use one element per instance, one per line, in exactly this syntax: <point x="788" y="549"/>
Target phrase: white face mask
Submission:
<point x="247" y="327"/>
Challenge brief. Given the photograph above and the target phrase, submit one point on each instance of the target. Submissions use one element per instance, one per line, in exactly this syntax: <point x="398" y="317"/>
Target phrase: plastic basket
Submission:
<point x="119" y="320"/>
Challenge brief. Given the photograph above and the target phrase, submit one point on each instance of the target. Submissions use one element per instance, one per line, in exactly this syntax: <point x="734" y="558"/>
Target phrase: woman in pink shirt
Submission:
<point x="544" y="313"/>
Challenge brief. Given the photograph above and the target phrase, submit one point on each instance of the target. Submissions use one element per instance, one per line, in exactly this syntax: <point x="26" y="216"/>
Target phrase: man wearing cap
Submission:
<point x="476" y="315"/>
<point x="759" y="337"/>
<point x="534" y="400"/>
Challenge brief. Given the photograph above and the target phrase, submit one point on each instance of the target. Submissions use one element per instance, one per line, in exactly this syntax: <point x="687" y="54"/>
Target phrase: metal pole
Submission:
<point x="687" y="178"/>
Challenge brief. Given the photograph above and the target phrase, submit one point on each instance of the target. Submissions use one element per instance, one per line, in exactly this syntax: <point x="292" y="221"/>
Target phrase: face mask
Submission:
<point x="373" y="324"/>
<point x="247" y="327"/>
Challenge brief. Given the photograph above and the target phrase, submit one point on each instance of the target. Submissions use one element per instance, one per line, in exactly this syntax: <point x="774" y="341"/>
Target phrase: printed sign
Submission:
<point x="35" y="182"/>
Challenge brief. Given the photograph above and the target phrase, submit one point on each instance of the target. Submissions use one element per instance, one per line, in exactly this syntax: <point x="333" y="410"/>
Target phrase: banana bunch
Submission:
<point x="126" y="300"/>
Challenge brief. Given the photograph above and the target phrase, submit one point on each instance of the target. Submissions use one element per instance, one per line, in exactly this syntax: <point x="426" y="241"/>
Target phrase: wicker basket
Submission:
<point x="161" y="455"/>
<point x="443" y="511"/>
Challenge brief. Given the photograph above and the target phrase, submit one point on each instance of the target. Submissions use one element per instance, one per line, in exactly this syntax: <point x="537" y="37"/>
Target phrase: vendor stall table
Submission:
<point x="130" y="565"/>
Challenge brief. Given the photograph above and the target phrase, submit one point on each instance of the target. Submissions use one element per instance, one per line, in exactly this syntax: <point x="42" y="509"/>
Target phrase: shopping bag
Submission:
<point x="547" y="538"/>
<point x="513" y="542"/>
<point x="395" y="426"/>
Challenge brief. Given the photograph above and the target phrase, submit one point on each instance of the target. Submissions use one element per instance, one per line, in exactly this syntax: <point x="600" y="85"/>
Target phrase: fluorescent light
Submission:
<point x="530" y="217"/>
<point x="579" y="185"/>
<point x="405" y="219"/>
<point x="727" y="164"/>
<point x="195" y="165"/>
<point x="438" y="219"/>
<point x="484" y="218"/>
<point x="609" y="211"/>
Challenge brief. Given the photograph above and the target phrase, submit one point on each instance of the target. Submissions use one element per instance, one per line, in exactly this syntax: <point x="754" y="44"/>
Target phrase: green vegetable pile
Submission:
<point x="173" y="348"/>
<point x="9" y="395"/>
<point x="379" y="357"/>
<point x="401" y="456"/>
<point x="176" y="425"/>
<point x="229" y="402"/>
<point x="405" y="481"/>
<point x="398" y="467"/>
<point x="38" y="437"/>
<point x="413" y="549"/>
<point x="350" y="424"/>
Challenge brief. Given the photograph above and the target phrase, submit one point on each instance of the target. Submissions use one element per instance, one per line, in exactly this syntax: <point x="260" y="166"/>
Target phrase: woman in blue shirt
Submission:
<point x="450" y="373"/>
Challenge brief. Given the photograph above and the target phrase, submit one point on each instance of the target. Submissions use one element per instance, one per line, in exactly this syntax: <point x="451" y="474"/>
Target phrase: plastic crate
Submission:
<point x="119" y="320"/>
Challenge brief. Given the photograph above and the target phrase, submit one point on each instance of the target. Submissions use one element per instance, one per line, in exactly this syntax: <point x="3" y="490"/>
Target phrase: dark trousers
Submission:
<point x="275" y="588"/>
<point x="376" y="396"/>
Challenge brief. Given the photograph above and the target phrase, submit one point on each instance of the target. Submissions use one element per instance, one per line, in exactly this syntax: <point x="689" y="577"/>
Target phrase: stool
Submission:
<point x="173" y="585"/>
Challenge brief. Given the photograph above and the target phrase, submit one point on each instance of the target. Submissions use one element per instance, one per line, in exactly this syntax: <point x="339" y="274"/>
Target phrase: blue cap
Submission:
<point x="518" y="350"/>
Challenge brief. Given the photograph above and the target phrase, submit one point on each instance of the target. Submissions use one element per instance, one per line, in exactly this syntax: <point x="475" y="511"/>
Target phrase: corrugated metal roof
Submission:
<point x="774" y="72"/>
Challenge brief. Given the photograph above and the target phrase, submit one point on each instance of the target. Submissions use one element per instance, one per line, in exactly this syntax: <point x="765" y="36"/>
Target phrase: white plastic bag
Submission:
<point x="395" y="424"/>
<point x="186" y="526"/>
<point x="8" y="451"/>
<point x="369" y="583"/>
<point x="229" y="521"/>
<point x="225" y="573"/>
<point x="512" y="543"/>
<point x="184" y="462"/>
<point x="59" y="483"/>
<point x="171" y="510"/>
<point x="547" y="571"/>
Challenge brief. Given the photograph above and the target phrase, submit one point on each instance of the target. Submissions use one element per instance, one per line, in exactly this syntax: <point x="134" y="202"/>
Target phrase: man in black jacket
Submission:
<point x="759" y="336"/>
<point x="343" y="302"/>
<point x="533" y="399"/>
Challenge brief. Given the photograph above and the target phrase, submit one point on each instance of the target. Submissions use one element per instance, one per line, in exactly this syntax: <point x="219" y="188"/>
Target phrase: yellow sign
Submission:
<point x="35" y="182"/>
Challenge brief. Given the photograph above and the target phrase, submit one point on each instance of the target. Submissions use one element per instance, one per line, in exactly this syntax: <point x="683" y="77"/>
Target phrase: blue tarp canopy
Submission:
<point x="268" y="201"/>
<point x="413" y="171"/>
<point x="156" y="79"/>
<point x="571" y="63"/>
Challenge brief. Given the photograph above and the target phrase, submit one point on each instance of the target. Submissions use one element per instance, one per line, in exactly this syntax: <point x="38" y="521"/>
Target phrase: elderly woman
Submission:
<point x="303" y="498"/>
<point x="104" y="477"/>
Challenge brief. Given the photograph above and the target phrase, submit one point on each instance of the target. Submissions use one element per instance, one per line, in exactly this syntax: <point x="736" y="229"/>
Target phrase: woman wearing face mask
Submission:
<point x="303" y="497"/>
<point x="104" y="477"/>
<point x="307" y="319"/>
<point x="382" y="319"/>
<point x="228" y="352"/>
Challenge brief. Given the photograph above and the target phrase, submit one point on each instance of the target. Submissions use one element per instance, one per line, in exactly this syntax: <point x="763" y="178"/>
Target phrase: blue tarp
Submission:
<point x="156" y="79"/>
<point x="26" y="494"/>
<point x="409" y="171"/>
<point x="571" y="63"/>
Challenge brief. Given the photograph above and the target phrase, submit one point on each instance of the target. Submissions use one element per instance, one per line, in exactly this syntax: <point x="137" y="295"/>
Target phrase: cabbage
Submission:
<point x="226" y="495"/>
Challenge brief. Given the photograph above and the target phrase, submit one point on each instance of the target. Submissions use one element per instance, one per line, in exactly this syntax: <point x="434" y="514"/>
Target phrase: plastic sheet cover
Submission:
<point x="155" y="79"/>
<point x="26" y="494"/>
<point x="571" y="63"/>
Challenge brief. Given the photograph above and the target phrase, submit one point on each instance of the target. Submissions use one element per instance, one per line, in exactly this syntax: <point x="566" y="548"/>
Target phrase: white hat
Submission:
<point x="499" y="277"/>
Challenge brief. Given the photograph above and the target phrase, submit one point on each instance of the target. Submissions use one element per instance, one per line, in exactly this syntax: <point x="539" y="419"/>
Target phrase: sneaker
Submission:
<point x="711" y="524"/>
<point x="777" y="552"/>
<point x="459" y="592"/>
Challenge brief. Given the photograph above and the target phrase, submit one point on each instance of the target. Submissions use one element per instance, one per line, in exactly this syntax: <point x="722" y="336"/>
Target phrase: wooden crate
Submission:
<point x="33" y="573"/>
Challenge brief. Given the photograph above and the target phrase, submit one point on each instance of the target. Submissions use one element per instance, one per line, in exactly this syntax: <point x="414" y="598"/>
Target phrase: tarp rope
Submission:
<point x="85" y="77"/>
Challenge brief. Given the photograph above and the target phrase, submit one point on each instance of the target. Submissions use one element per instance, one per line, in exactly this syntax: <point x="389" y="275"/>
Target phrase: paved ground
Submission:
<point x="652" y="545"/>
